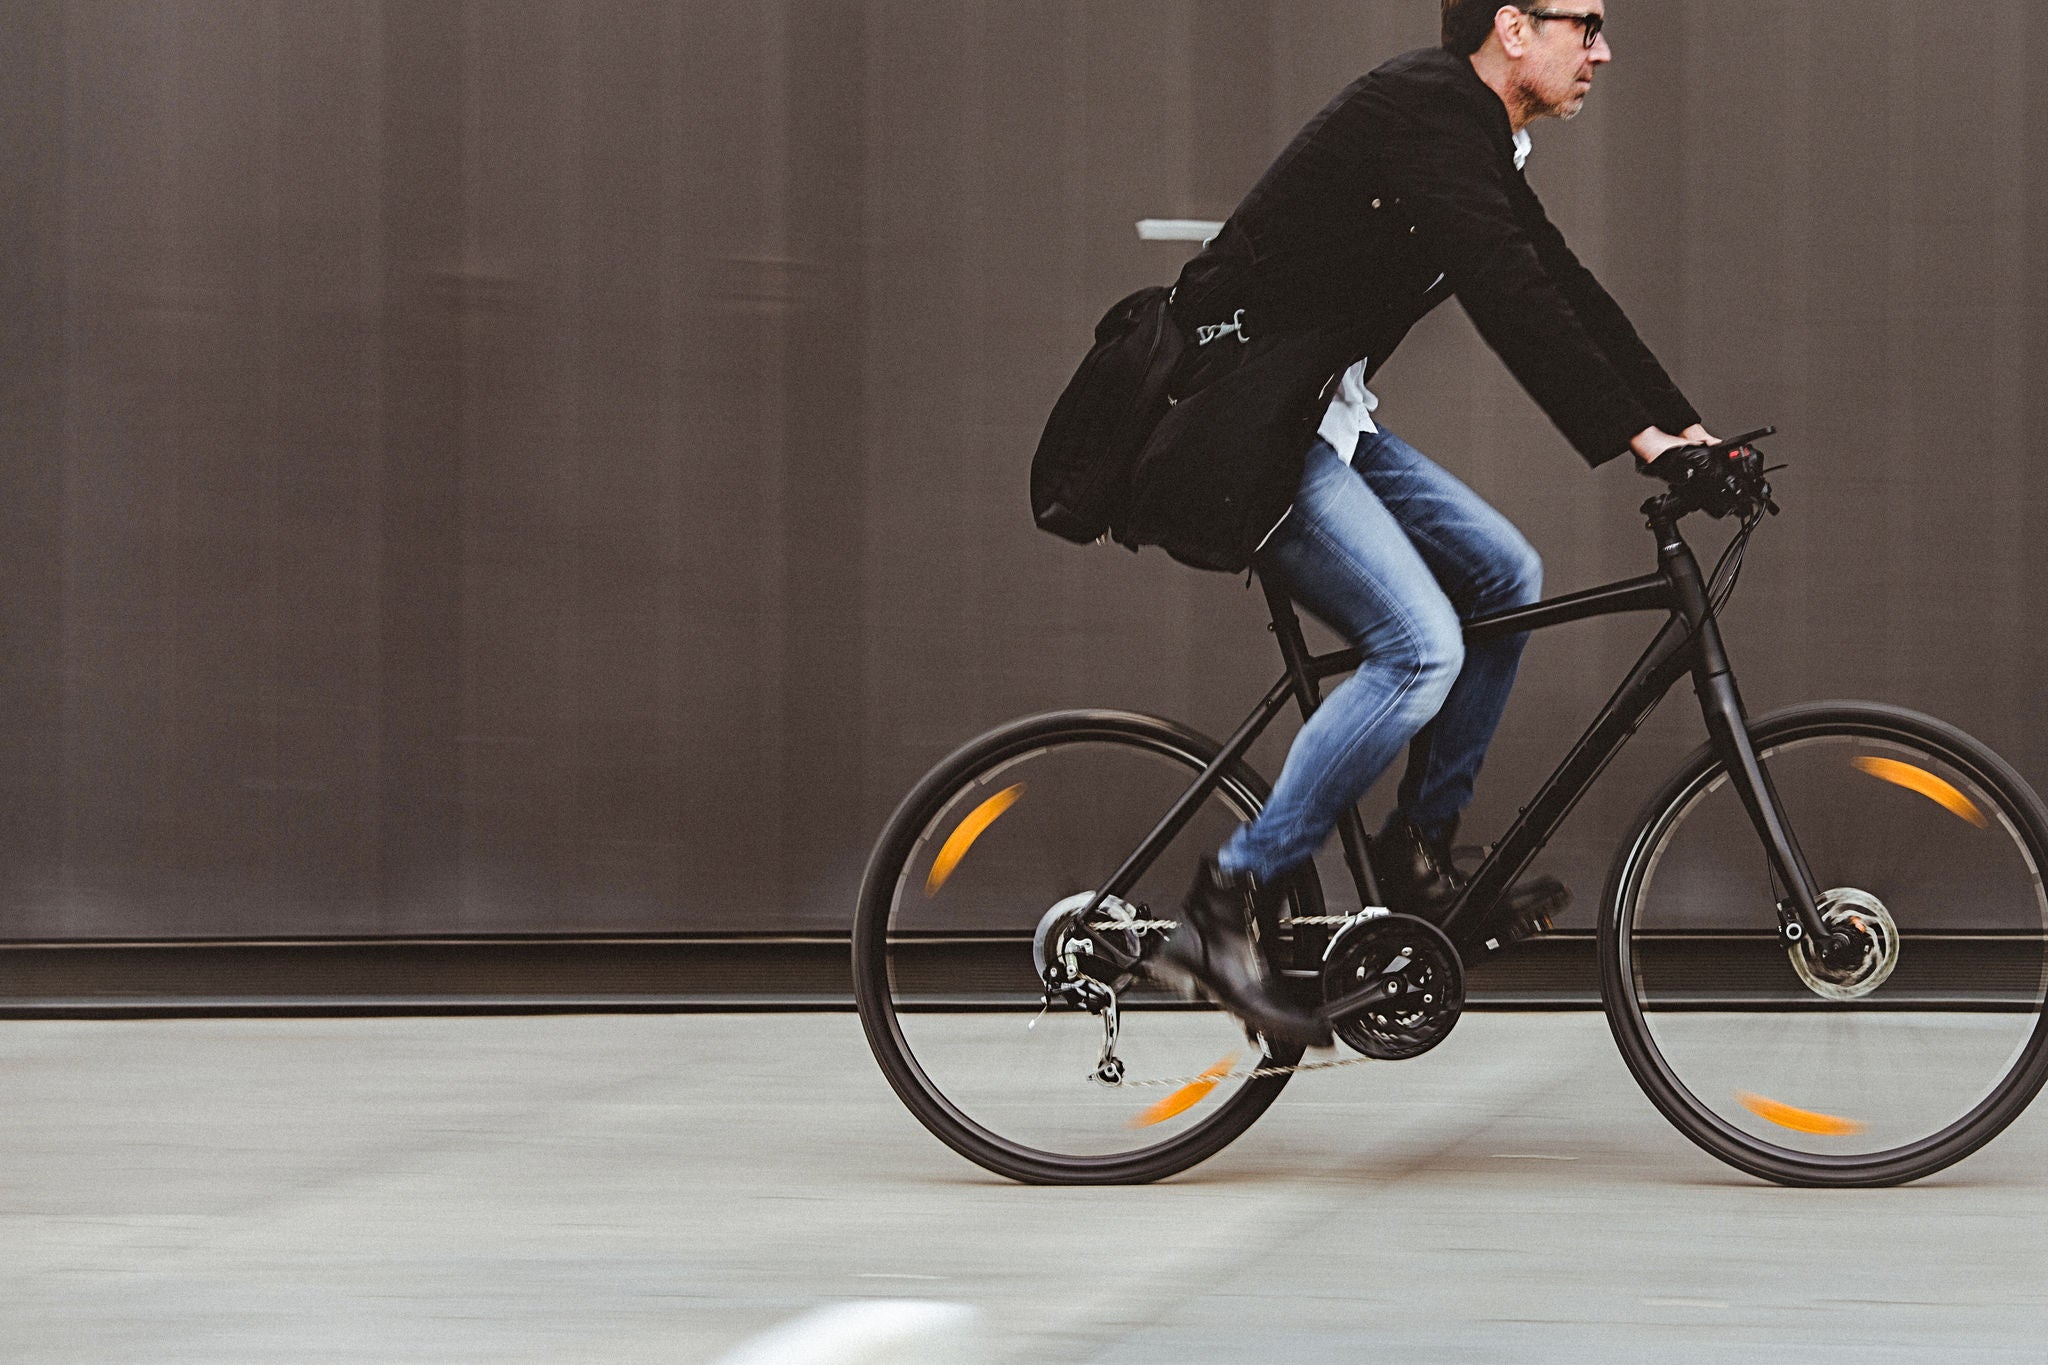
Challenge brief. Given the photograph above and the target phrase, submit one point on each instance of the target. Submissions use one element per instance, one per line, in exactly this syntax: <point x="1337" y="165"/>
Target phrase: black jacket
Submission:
<point x="1400" y="194"/>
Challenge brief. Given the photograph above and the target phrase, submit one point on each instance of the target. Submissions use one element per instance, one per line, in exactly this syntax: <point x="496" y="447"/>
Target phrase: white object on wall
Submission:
<point x="1177" y="230"/>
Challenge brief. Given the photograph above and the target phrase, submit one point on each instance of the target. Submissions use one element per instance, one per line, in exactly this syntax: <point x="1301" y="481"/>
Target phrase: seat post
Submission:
<point x="1309" y="693"/>
<point x="1286" y="629"/>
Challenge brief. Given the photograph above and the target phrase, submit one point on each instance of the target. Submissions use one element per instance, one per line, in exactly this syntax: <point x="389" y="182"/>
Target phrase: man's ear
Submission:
<point x="1510" y="31"/>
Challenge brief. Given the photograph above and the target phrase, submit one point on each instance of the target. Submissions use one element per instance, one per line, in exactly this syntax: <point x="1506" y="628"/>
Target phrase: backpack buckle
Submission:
<point x="1234" y="327"/>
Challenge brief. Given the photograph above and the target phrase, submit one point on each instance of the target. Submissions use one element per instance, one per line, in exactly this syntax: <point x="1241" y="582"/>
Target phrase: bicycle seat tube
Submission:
<point x="1309" y="693"/>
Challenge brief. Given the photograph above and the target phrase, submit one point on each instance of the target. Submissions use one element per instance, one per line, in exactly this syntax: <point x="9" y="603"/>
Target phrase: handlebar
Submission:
<point x="1723" y="479"/>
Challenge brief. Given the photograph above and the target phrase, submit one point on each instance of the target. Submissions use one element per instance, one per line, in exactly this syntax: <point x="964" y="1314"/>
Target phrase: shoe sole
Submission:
<point x="1277" y="1029"/>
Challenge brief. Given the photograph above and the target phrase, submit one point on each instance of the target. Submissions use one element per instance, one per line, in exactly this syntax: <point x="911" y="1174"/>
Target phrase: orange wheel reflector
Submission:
<point x="962" y="838"/>
<point x="1188" y="1096"/>
<point x="1943" y="794"/>
<point x="1798" y="1120"/>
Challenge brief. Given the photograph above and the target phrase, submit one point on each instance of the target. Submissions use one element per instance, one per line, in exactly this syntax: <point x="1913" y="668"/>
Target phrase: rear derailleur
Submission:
<point x="1085" y="965"/>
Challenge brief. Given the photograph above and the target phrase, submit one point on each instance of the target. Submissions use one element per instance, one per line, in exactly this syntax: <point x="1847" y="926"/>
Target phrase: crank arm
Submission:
<point x="1343" y="1007"/>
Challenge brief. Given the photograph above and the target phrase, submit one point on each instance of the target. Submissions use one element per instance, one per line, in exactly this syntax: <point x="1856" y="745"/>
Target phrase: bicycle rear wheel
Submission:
<point x="988" y="861"/>
<point x="1867" y="1071"/>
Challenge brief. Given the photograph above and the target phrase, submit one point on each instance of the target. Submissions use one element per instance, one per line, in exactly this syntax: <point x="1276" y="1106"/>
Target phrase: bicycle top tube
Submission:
<point x="1723" y="478"/>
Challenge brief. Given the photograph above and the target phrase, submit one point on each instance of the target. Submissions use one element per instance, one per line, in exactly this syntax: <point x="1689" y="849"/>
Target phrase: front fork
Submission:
<point x="1728" y="731"/>
<point x="1799" y="916"/>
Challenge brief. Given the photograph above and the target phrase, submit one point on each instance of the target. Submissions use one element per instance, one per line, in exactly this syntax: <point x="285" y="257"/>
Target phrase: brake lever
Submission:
<point x="1769" y="505"/>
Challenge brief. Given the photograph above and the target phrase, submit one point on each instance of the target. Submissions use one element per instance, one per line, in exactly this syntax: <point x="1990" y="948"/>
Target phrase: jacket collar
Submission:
<point x="1439" y="66"/>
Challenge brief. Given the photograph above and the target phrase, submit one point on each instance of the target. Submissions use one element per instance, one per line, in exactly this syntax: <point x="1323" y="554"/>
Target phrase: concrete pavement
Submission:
<point x="663" y="1188"/>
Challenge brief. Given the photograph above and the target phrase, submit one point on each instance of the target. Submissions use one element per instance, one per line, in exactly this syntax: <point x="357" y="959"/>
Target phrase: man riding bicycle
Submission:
<point x="1406" y="190"/>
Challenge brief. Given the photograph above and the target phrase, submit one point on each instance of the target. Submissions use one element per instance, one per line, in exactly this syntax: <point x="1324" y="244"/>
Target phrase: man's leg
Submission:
<point x="1343" y="555"/>
<point x="1483" y="564"/>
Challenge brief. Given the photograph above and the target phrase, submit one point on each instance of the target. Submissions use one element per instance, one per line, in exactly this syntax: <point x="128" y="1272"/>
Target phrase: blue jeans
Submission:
<point x="1392" y="553"/>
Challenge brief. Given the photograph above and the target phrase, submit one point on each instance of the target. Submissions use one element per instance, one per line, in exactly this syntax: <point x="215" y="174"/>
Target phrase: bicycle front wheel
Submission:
<point x="980" y="875"/>
<point x="1888" y="1063"/>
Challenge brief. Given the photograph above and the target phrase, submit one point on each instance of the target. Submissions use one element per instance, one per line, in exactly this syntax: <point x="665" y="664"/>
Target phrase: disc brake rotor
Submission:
<point x="1872" y="931"/>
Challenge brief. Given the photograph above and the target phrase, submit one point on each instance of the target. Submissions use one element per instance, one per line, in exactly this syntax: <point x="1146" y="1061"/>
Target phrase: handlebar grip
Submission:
<point x="1678" y="464"/>
<point x="1682" y="462"/>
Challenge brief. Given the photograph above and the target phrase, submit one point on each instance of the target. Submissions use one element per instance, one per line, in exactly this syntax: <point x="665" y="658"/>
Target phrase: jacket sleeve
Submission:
<point x="1609" y="326"/>
<point x="1440" y="161"/>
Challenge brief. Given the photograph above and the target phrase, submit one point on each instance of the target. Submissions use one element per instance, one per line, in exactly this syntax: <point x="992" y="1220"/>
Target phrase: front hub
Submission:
<point x="1865" y="960"/>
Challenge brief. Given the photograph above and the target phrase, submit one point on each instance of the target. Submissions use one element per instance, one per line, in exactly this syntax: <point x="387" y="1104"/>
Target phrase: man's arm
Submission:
<point x="1453" y="182"/>
<point x="1609" y="326"/>
<point x="1616" y="335"/>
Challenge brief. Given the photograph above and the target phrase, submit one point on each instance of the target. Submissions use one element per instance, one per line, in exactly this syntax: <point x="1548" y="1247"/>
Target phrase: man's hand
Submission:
<point x="1651" y="442"/>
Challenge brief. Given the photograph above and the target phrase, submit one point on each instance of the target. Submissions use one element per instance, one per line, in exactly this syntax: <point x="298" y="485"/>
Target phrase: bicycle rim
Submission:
<point x="970" y="871"/>
<point x="1870" y="1071"/>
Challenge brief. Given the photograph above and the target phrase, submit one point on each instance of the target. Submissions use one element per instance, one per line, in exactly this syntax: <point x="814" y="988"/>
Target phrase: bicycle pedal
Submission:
<point x="1543" y="901"/>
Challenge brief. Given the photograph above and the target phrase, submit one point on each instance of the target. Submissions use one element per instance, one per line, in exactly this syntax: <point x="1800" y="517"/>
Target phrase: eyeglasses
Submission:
<point x="1591" y="23"/>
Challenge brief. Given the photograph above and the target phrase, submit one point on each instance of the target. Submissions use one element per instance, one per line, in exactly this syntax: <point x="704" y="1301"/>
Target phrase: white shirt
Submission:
<point x="1351" y="408"/>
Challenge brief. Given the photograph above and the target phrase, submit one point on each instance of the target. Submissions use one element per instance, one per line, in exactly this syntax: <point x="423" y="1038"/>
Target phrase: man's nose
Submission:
<point x="1602" y="53"/>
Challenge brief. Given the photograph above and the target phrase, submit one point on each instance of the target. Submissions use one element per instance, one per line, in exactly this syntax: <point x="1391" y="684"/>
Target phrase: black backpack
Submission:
<point x="1081" y="475"/>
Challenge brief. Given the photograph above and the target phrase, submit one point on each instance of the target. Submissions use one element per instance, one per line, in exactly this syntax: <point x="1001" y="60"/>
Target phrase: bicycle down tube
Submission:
<point x="1690" y="641"/>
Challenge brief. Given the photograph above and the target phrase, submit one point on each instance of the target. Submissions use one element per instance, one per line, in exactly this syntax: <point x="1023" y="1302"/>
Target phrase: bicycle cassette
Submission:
<point x="1067" y="953"/>
<point x="1417" y="974"/>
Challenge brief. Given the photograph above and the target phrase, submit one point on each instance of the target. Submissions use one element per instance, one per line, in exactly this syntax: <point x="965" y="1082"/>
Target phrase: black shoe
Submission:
<point x="1417" y="877"/>
<point x="1212" y="954"/>
<point x="1415" y="874"/>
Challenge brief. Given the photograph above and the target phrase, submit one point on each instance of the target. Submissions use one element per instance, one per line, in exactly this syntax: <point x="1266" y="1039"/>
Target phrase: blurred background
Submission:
<point x="504" y="466"/>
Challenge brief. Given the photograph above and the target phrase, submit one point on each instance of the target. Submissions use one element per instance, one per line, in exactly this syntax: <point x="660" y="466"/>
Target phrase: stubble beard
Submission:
<point x="1534" y="106"/>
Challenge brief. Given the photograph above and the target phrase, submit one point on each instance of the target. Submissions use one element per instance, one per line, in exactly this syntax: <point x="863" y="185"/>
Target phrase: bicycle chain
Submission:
<point x="1161" y="925"/>
<point x="1256" y="1074"/>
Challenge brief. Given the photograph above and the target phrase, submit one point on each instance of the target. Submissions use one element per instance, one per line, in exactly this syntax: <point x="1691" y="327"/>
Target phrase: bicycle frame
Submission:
<point x="1689" y="642"/>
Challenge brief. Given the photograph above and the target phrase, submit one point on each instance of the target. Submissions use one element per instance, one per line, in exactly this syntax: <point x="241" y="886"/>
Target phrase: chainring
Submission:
<point x="1397" y="949"/>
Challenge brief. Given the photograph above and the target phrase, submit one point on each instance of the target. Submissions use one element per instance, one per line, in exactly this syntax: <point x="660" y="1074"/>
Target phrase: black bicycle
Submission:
<point x="1823" y="945"/>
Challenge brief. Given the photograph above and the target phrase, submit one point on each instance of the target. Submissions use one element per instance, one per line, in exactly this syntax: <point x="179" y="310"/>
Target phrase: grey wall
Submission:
<point x="521" y="466"/>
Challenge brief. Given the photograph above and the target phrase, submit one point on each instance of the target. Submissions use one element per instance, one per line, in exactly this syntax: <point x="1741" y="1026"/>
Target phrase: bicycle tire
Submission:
<point x="1791" y="1146"/>
<point x="889" y="880"/>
